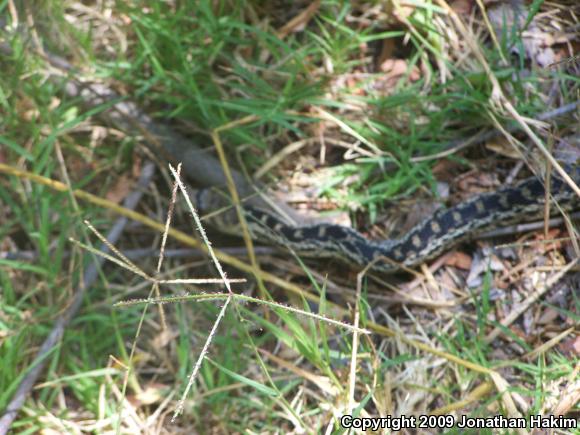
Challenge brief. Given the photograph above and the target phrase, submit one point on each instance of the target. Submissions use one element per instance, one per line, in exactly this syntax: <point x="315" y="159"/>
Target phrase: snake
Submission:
<point x="447" y="227"/>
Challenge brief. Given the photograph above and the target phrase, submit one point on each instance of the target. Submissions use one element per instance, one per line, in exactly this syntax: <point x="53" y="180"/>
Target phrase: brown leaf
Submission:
<point x="401" y="12"/>
<point x="459" y="260"/>
<point x="120" y="190"/>
<point x="571" y="346"/>
<point x="502" y="147"/>
<point x="151" y="394"/>
<point x="299" y="22"/>
<point x="543" y="246"/>
<point x="396" y="68"/>
<point x="164" y="338"/>
<point x="477" y="182"/>
<point x="548" y="317"/>
<point x="137" y="166"/>
<point x="461" y="7"/>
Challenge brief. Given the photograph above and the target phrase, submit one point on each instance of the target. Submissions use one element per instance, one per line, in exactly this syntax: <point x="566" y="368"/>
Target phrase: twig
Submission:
<point x="214" y="296"/>
<point x="134" y="254"/>
<point x="523" y="228"/>
<point x="217" y="264"/>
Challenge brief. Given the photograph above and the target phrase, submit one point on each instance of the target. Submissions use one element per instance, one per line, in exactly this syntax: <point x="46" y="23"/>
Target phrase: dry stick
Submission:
<point x="546" y="346"/>
<point x="163" y="245"/>
<point x="524" y="228"/>
<point x="134" y="254"/>
<point x="58" y="330"/>
<point x="236" y="200"/>
<point x="355" y="339"/>
<point x="215" y="296"/>
<point x="221" y="314"/>
<point x="154" y="288"/>
<point x="482" y="390"/>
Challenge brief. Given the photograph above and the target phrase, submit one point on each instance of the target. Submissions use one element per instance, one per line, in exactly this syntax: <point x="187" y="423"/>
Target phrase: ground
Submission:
<point x="366" y="114"/>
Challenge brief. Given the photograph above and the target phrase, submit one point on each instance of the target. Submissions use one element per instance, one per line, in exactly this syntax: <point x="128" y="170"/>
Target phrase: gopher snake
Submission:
<point x="445" y="228"/>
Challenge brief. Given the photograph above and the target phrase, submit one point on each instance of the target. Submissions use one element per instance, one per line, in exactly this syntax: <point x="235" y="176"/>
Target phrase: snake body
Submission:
<point x="444" y="229"/>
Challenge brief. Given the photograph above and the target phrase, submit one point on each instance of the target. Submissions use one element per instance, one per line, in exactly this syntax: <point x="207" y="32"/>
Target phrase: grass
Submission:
<point x="197" y="66"/>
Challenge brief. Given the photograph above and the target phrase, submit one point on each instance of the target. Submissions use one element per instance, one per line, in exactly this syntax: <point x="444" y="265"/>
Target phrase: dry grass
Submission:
<point x="350" y="112"/>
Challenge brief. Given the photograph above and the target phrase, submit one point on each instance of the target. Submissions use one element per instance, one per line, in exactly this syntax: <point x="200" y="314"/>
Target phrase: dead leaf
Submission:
<point x="394" y="69"/>
<point x="548" y="317"/>
<point x="474" y="182"/>
<point x="300" y="21"/>
<point x="445" y="169"/>
<point x="164" y="338"/>
<point x="152" y="393"/>
<point x="502" y="147"/>
<point x="137" y="166"/>
<point x="545" y="243"/>
<point x="477" y="182"/>
<point x="120" y="190"/>
<point x="461" y="7"/>
<point x="459" y="260"/>
<point x="571" y="346"/>
<point x="322" y="382"/>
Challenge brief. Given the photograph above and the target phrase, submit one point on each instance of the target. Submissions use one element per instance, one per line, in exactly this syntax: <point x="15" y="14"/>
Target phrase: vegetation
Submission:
<point x="366" y="109"/>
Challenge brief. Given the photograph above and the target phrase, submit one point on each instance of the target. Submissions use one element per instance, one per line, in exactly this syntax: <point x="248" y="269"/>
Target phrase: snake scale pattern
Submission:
<point x="444" y="229"/>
